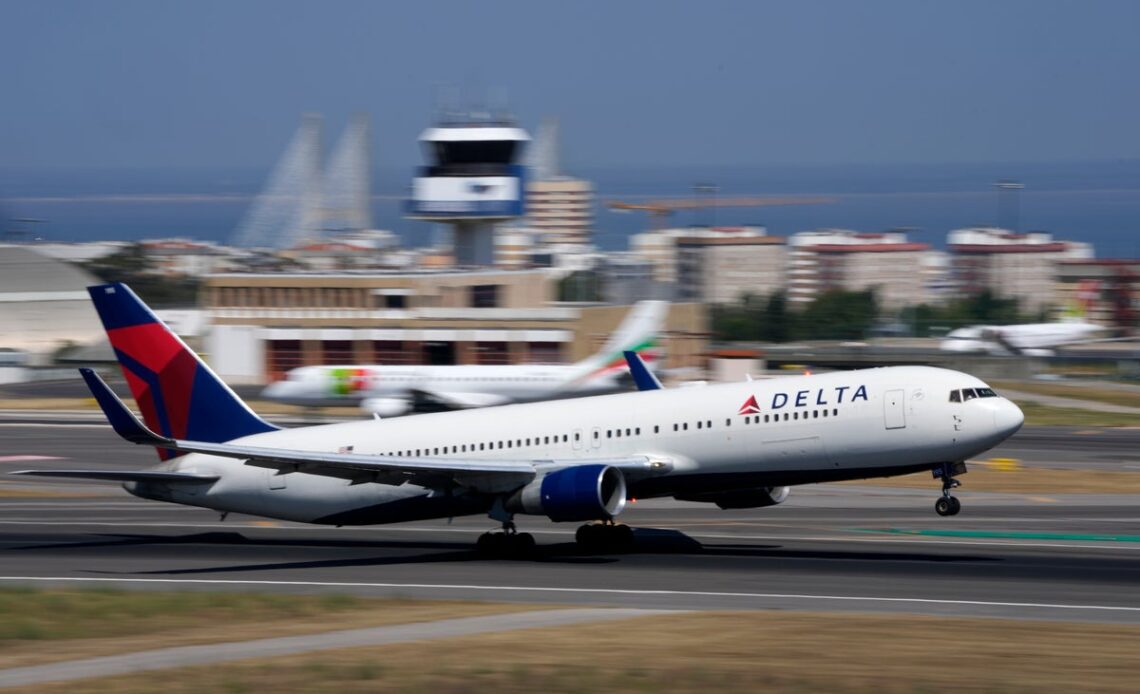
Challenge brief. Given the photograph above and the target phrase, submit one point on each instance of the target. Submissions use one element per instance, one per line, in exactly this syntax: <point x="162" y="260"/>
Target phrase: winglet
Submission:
<point x="642" y="376"/>
<point x="122" y="420"/>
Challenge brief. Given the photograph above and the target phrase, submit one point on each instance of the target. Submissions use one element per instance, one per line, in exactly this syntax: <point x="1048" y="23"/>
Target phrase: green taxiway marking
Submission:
<point x="1005" y="535"/>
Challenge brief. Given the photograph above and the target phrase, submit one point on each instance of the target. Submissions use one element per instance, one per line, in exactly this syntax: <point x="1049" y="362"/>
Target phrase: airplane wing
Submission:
<point x="489" y="476"/>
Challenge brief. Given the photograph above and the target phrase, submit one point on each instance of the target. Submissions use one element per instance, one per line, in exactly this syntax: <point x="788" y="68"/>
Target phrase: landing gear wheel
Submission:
<point x="947" y="506"/>
<point x="505" y="545"/>
<point x="604" y="537"/>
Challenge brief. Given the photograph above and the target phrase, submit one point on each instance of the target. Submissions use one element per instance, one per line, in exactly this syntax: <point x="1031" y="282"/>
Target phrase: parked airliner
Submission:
<point x="738" y="445"/>
<point x="390" y="390"/>
<point x="1029" y="339"/>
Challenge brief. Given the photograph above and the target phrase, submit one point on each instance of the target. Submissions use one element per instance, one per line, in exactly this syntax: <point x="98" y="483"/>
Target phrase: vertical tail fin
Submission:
<point x="179" y="396"/>
<point x="639" y="332"/>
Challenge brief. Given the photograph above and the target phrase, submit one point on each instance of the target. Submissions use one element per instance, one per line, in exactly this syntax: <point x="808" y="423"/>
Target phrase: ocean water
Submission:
<point x="1097" y="202"/>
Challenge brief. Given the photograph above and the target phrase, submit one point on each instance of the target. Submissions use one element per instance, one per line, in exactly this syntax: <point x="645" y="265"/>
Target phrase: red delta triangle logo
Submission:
<point x="749" y="406"/>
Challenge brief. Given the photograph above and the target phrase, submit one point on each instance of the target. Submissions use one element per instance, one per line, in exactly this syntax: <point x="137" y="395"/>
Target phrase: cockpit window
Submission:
<point x="955" y="396"/>
<point x="968" y="394"/>
<point x="986" y="393"/>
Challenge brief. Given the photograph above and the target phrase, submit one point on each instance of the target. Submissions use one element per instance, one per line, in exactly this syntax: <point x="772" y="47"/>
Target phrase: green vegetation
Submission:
<point x="702" y="652"/>
<point x="584" y="285"/>
<point x="132" y="266"/>
<point x="836" y="315"/>
<point x="30" y="614"/>
<point x="847" y="315"/>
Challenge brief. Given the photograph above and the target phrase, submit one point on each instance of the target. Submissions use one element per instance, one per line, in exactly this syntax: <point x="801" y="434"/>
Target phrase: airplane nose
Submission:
<point x="1008" y="418"/>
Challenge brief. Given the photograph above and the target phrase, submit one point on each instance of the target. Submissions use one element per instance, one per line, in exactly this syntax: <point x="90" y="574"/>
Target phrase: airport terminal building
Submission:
<point x="263" y="325"/>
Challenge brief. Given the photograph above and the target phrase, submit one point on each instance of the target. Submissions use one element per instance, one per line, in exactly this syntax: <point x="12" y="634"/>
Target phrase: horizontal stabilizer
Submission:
<point x="123" y="476"/>
<point x="122" y="420"/>
<point x="642" y="376"/>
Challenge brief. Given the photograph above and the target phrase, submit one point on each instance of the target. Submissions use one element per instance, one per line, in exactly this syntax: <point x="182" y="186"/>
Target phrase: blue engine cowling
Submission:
<point x="579" y="493"/>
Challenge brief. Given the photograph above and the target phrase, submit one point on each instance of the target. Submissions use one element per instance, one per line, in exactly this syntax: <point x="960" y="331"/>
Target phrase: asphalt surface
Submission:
<point x="830" y="547"/>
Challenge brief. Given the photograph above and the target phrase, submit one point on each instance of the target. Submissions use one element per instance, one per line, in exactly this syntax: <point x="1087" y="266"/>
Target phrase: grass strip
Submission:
<point x="702" y="652"/>
<point x="1023" y="480"/>
<point x="1111" y="396"/>
<point x="39" y="626"/>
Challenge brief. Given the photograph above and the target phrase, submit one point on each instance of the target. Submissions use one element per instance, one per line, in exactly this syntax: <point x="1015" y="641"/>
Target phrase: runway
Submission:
<point x="830" y="547"/>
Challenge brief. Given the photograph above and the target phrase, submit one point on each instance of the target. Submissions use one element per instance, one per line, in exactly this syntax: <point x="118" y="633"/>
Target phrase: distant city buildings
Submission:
<point x="1017" y="266"/>
<point x="659" y="247"/>
<point x="561" y="209"/>
<point x="829" y="259"/>
<point x="718" y="268"/>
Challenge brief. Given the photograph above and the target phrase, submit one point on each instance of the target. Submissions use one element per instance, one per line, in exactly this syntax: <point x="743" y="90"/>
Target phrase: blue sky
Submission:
<point x="217" y="84"/>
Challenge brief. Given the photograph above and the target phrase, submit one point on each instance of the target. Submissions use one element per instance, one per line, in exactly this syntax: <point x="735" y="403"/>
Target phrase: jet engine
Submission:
<point x="385" y="407"/>
<point x="741" y="498"/>
<point x="579" y="493"/>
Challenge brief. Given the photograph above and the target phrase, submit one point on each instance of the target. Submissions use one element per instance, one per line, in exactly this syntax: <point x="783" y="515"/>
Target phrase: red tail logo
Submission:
<point x="749" y="406"/>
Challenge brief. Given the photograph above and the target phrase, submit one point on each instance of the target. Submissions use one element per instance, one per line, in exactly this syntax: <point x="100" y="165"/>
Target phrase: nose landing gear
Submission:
<point x="949" y="505"/>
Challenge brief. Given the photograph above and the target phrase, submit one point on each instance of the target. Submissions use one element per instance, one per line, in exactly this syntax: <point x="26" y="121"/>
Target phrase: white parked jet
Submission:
<point x="737" y="445"/>
<point x="1030" y="339"/>
<point x="389" y="390"/>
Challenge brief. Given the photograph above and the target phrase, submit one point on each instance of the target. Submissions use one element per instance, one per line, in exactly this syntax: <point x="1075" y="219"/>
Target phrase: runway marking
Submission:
<point x="589" y="591"/>
<point x="1005" y="534"/>
<point x="27" y="458"/>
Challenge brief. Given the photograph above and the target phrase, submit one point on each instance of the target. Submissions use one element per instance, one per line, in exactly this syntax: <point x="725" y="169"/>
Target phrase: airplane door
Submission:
<point x="894" y="416"/>
<point x="596" y="437"/>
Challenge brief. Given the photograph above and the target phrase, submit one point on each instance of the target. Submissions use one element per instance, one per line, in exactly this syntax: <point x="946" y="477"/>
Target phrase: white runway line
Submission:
<point x="586" y="591"/>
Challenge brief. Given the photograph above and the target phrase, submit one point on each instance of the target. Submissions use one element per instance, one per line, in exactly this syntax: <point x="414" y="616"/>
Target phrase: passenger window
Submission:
<point x="700" y="424"/>
<point x="815" y="414"/>
<point x="637" y="431"/>
<point x="685" y="426"/>
<point x="835" y="412"/>
<point x="785" y="416"/>
<point x="627" y="432"/>
<point x="765" y="418"/>
<point x="708" y="424"/>
<point x="656" y="428"/>
<point x="955" y="396"/>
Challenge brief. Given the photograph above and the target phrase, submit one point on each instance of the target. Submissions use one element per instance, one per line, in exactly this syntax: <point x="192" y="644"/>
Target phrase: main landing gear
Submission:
<point x="506" y="544"/>
<point x="606" y="536"/>
<point x="949" y="505"/>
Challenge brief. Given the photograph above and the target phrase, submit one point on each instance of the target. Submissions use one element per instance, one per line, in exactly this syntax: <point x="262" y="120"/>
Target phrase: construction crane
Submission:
<point x="660" y="210"/>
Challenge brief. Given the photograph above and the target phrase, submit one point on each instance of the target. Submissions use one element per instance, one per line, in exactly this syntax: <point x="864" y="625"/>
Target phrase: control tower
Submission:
<point x="471" y="183"/>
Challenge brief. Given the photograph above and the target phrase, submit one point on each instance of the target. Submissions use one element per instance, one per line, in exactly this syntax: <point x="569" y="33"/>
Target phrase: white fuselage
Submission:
<point x="1002" y="339"/>
<point x="843" y="425"/>
<point x="510" y="381"/>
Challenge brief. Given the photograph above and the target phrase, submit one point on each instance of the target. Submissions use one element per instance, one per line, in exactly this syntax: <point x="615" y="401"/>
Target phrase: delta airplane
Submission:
<point x="738" y="445"/>
<point x="393" y="390"/>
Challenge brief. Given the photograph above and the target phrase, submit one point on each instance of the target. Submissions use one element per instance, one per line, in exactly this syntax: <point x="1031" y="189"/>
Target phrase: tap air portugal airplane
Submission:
<point x="738" y="445"/>
<point x="393" y="390"/>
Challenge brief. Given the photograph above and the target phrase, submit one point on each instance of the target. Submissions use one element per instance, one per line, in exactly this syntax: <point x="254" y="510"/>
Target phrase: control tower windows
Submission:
<point x="480" y="157"/>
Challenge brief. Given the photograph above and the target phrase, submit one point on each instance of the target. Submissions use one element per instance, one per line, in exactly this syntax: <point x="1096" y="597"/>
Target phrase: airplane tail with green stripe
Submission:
<point x="641" y="332"/>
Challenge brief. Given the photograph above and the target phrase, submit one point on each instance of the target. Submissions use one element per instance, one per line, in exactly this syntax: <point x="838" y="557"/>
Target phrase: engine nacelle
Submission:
<point x="385" y="407"/>
<point x="741" y="498"/>
<point x="579" y="493"/>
